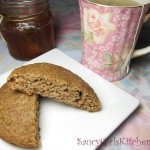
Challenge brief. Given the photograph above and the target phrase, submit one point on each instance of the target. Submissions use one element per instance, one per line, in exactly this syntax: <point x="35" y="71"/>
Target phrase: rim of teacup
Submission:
<point x="140" y="5"/>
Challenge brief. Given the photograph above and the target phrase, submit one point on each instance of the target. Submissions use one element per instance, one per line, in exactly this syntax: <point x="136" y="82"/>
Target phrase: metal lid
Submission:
<point x="22" y="8"/>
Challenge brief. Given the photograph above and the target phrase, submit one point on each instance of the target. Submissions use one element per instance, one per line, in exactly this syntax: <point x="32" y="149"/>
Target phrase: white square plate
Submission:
<point x="66" y="128"/>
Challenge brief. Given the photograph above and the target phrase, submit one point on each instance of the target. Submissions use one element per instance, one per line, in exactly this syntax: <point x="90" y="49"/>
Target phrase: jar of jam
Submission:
<point x="27" y="27"/>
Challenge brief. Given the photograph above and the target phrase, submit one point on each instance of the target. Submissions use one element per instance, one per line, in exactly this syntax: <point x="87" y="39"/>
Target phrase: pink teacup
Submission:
<point x="110" y="29"/>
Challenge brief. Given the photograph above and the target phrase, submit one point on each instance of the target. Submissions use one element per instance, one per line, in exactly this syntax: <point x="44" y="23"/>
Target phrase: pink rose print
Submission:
<point x="97" y="26"/>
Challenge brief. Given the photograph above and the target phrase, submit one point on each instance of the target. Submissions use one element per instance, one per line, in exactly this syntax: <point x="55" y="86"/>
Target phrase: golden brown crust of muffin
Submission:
<point x="19" y="118"/>
<point x="56" y="82"/>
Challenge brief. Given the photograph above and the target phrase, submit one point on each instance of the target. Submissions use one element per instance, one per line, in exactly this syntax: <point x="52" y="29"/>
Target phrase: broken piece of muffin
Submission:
<point x="19" y="118"/>
<point x="56" y="82"/>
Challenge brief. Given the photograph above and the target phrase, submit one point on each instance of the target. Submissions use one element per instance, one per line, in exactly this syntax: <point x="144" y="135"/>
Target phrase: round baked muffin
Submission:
<point x="56" y="82"/>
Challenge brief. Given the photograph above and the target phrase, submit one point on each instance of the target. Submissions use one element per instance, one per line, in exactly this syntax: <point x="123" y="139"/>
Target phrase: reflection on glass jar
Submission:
<point x="27" y="27"/>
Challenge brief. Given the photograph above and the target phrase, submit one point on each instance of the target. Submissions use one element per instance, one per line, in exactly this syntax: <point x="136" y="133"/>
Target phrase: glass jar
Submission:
<point x="27" y="27"/>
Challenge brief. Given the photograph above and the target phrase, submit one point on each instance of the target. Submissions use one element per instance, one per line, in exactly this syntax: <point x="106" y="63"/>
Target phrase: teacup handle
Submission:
<point x="147" y="16"/>
<point x="145" y="50"/>
<point x="141" y="52"/>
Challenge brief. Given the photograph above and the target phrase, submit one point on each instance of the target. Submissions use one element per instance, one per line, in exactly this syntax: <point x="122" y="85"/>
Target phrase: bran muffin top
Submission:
<point x="36" y="78"/>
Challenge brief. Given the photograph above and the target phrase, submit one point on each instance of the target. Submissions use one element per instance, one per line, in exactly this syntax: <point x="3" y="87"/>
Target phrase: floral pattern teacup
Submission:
<point x="109" y="35"/>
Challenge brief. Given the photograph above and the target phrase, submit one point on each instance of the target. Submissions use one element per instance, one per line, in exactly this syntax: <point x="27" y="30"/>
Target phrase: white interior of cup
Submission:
<point x="120" y="3"/>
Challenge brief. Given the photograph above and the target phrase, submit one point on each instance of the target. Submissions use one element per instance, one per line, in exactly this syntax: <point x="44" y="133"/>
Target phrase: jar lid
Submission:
<point x="22" y="8"/>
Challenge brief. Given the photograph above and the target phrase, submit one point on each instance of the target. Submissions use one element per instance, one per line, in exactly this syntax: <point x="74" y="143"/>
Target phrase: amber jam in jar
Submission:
<point x="27" y="27"/>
